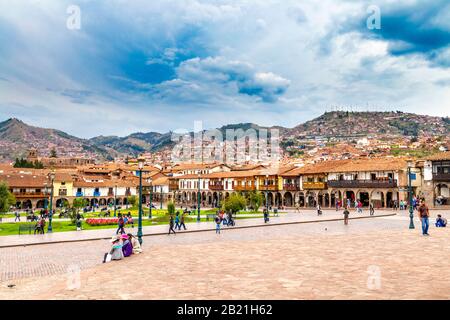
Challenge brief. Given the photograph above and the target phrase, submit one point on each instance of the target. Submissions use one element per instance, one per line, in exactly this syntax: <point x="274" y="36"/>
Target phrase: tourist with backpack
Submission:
<point x="121" y="225"/>
<point x="218" y="222"/>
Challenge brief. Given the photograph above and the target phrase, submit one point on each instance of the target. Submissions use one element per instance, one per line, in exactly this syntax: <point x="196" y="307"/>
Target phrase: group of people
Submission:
<point x="123" y="245"/>
<point x="177" y="222"/>
<point x="124" y="220"/>
<point x="222" y="218"/>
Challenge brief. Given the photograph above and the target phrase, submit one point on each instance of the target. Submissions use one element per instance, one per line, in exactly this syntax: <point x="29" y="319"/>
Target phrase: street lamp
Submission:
<point x="198" y="199"/>
<point x="267" y="192"/>
<point x="161" y="196"/>
<point x="410" y="194"/>
<point x="151" y="198"/>
<point x="50" y="216"/>
<point x="46" y="195"/>
<point x="139" y="233"/>
<point x="115" y="200"/>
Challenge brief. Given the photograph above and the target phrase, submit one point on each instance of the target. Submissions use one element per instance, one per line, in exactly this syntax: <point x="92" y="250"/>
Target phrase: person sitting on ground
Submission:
<point x="127" y="247"/>
<point x="116" y="250"/>
<point x="135" y="244"/>
<point x="441" y="222"/>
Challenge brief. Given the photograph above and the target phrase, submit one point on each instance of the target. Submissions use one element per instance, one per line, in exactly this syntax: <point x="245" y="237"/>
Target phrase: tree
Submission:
<point x="53" y="153"/>
<point x="234" y="203"/>
<point x="256" y="199"/>
<point x="171" y="208"/>
<point x="7" y="199"/>
<point x="79" y="203"/>
<point x="132" y="200"/>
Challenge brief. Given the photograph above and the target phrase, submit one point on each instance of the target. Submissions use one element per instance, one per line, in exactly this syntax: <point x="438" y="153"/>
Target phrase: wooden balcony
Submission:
<point x="271" y="187"/>
<point x="244" y="188"/>
<point x="362" y="183"/>
<point x="30" y="195"/>
<point x="314" y="185"/>
<point x="216" y="187"/>
<point x="441" y="177"/>
<point x="291" y="187"/>
<point x="173" y="185"/>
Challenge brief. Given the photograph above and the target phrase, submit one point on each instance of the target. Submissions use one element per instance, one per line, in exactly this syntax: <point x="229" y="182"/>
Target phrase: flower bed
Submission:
<point x="102" y="221"/>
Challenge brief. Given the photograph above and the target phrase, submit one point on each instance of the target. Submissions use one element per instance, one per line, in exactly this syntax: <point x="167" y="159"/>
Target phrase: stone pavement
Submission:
<point x="85" y="235"/>
<point x="368" y="259"/>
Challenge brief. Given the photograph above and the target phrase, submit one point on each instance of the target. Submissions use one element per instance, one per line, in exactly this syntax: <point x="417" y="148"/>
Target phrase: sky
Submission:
<point x="116" y="67"/>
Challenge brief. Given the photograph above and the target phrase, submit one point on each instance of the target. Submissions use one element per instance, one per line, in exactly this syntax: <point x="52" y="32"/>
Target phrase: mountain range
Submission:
<point x="17" y="137"/>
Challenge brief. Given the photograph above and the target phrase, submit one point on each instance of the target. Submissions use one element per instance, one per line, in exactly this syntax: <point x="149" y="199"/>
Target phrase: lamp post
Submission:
<point x="410" y="194"/>
<point x="267" y="192"/>
<point x="50" y="216"/>
<point x="151" y="198"/>
<point x="115" y="200"/>
<point x="139" y="233"/>
<point x="198" y="198"/>
<point x="46" y="195"/>
<point x="161" y="196"/>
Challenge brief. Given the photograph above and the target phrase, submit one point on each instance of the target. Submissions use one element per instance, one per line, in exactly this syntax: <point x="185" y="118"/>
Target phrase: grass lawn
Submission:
<point x="7" y="229"/>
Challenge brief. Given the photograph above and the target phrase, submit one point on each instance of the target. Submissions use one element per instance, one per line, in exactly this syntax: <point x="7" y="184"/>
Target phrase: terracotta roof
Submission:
<point x="440" y="156"/>
<point x="24" y="180"/>
<point x="162" y="181"/>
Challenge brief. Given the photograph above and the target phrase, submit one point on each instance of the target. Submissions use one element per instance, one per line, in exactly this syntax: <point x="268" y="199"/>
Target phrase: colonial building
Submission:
<point x="436" y="174"/>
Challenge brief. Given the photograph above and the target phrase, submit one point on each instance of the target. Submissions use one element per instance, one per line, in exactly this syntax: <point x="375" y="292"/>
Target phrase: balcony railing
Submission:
<point x="291" y="187"/>
<point x="244" y="188"/>
<point x="30" y="194"/>
<point x="96" y="193"/>
<point x="216" y="187"/>
<point x="362" y="183"/>
<point x="270" y="187"/>
<point x="441" y="177"/>
<point x="314" y="185"/>
<point x="79" y="194"/>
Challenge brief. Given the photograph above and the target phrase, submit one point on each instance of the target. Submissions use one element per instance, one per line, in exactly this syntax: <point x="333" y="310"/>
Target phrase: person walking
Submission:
<point x="182" y="217"/>
<point x="121" y="224"/>
<point x="424" y="215"/>
<point x="360" y="209"/>
<point x="218" y="222"/>
<point x="346" y="214"/>
<point x="17" y="214"/>
<point x="266" y="215"/>
<point x="177" y="220"/>
<point x="371" y="209"/>
<point x="319" y="210"/>
<point x="171" y="224"/>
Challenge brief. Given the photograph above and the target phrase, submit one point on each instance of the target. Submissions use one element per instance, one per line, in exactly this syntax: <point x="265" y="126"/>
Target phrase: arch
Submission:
<point x="27" y="204"/>
<point x="62" y="203"/>
<point x="301" y="199"/>
<point x="288" y="199"/>
<point x="94" y="202"/>
<point x="102" y="202"/>
<point x="311" y="199"/>
<point x="326" y="200"/>
<point x="110" y="201"/>
<point x="40" y="204"/>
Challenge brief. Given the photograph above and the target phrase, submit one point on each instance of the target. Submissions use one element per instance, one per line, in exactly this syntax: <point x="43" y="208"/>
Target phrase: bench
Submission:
<point x="26" y="227"/>
<point x="210" y="216"/>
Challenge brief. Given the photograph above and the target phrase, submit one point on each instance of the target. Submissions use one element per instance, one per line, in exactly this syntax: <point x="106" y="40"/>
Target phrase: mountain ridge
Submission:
<point x="17" y="137"/>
